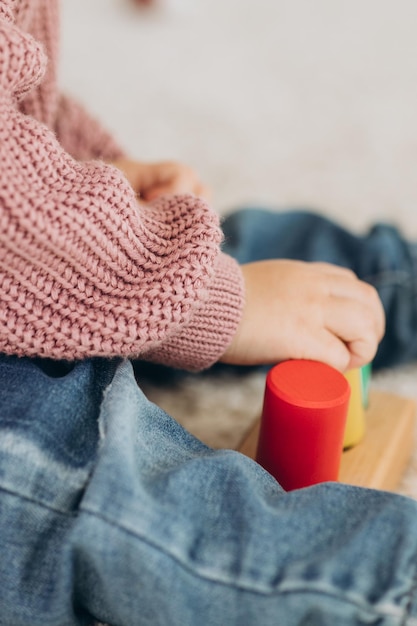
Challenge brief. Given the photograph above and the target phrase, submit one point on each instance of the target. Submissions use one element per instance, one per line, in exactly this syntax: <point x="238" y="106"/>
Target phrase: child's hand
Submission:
<point x="297" y="310"/>
<point x="151" y="180"/>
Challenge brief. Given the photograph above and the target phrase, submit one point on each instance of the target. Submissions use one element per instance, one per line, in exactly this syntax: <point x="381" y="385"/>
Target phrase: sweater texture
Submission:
<point x="85" y="269"/>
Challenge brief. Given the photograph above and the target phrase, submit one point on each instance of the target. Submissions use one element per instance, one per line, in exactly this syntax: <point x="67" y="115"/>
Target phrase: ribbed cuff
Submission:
<point x="204" y="339"/>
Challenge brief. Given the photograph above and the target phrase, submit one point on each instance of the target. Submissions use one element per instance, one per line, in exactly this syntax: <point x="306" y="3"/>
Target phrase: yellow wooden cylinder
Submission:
<point x="355" y="421"/>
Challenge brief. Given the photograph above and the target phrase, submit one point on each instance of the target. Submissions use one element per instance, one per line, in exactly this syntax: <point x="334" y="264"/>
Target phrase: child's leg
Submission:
<point x="109" y="508"/>
<point x="381" y="256"/>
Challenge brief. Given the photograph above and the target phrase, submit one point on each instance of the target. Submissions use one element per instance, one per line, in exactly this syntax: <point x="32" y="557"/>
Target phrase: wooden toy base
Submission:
<point x="380" y="459"/>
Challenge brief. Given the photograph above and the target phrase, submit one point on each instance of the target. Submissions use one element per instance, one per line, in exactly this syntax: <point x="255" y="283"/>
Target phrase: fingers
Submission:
<point x="355" y="316"/>
<point x="172" y="178"/>
<point x="152" y="180"/>
<point x="343" y="317"/>
<point x="358" y="305"/>
<point x="358" y="299"/>
<point x="332" y="350"/>
<point x="357" y="326"/>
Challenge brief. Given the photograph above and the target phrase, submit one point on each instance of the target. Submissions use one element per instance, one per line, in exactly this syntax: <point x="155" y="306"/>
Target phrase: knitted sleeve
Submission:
<point x="84" y="269"/>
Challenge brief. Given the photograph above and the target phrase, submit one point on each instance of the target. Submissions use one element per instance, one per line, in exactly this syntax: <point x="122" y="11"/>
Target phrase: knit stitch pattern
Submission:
<point x="86" y="270"/>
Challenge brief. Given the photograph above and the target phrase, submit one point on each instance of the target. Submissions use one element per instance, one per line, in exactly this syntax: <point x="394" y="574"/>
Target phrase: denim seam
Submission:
<point x="48" y="507"/>
<point x="396" y="612"/>
<point x="406" y="618"/>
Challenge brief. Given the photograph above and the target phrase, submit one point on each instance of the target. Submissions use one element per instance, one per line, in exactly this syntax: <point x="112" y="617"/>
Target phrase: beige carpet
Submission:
<point x="278" y="102"/>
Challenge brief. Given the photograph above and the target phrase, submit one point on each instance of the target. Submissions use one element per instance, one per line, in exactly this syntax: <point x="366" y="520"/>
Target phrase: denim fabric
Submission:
<point x="110" y="510"/>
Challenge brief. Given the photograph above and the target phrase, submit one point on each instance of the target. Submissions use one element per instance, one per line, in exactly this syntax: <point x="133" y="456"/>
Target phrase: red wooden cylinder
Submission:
<point x="303" y="423"/>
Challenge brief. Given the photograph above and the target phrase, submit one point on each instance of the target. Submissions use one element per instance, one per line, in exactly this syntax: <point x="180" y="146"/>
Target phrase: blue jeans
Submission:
<point x="110" y="510"/>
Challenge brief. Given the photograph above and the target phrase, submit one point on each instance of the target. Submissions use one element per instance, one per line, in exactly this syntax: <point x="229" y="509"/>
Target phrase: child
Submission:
<point x="109" y="510"/>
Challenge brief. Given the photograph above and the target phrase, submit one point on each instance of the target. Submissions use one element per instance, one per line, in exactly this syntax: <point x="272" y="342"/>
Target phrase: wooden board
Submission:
<point x="380" y="459"/>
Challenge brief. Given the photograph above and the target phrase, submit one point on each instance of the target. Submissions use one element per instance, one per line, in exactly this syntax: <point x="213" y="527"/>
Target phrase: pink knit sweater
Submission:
<point x="84" y="269"/>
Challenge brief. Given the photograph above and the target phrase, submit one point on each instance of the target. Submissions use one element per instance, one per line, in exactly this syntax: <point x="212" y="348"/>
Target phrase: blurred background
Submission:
<point x="278" y="102"/>
<point x="281" y="103"/>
